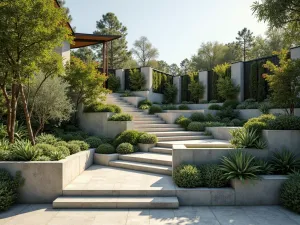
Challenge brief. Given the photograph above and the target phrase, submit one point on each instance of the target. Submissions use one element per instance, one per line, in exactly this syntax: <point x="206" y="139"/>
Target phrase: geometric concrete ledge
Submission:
<point x="104" y="159"/>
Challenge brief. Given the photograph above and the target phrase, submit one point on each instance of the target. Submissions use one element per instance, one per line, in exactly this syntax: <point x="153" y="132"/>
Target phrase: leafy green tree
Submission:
<point x="86" y="82"/>
<point x="185" y="66"/>
<point x="85" y="54"/>
<point x="137" y="80"/>
<point x="170" y="93"/>
<point x="163" y="66"/>
<point x="62" y="4"/>
<point x="144" y="51"/>
<point x="245" y="40"/>
<point x="233" y="53"/>
<point x="52" y="101"/>
<point x="174" y="69"/>
<point x="284" y="81"/>
<point x="197" y="90"/>
<point x="117" y="49"/>
<point x="280" y="14"/>
<point x="33" y="29"/>
<point x="226" y="89"/>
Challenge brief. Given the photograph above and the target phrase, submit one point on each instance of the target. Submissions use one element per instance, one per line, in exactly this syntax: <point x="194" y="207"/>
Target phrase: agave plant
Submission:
<point x="239" y="165"/>
<point x="265" y="167"/>
<point x="285" y="162"/>
<point x="244" y="138"/>
<point x="260" y="144"/>
<point x="24" y="151"/>
<point x="3" y="132"/>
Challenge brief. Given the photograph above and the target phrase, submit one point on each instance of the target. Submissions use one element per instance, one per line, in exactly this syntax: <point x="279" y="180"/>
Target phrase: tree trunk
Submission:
<point x="27" y="116"/>
<point x="14" y="104"/>
<point x="292" y="109"/>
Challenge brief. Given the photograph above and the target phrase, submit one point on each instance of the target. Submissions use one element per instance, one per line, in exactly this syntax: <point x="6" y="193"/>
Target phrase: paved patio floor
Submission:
<point x="45" y="215"/>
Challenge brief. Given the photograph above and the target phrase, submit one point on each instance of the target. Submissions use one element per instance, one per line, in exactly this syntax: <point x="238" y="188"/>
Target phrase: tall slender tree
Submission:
<point x="245" y="39"/>
<point x="144" y="51"/>
<point x="118" y="53"/>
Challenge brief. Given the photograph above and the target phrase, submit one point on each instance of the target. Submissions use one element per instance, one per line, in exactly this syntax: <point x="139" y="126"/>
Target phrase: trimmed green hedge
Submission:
<point x="120" y="117"/>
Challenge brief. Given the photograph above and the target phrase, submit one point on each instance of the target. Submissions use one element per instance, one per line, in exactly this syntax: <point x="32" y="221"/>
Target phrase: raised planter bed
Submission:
<point x="204" y="155"/>
<point x="222" y="133"/>
<point x="44" y="181"/>
<point x="104" y="159"/>
<point x="246" y="114"/>
<point x="278" y="139"/>
<point x="258" y="192"/>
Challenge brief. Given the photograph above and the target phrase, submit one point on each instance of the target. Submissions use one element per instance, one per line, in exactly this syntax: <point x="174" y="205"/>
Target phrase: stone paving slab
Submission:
<point x="251" y="215"/>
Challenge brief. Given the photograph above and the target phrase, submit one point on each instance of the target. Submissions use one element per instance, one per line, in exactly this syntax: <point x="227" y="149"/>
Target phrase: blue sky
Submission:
<point x="177" y="28"/>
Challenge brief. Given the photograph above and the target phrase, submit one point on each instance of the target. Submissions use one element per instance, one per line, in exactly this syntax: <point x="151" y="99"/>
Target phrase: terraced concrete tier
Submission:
<point x="149" y="122"/>
<point x="184" y="138"/>
<point x="155" y="119"/>
<point x="158" y="129"/>
<point x="146" y="167"/>
<point x="208" y="143"/>
<point x="116" y="202"/>
<point x="111" y="181"/>
<point x="176" y="133"/>
<point x="148" y="157"/>
<point x="156" y="126"/>
<point x="161" y="150"/>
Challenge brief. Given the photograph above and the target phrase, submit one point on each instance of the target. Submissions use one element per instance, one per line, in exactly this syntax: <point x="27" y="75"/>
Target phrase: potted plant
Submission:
<point x="147" y="141"/>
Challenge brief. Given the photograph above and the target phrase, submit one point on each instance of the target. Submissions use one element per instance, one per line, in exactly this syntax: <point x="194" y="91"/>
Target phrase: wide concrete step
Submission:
<point x="148" y="157"/>
<point x="209" y="143"/>
<point x="156" y="126"/>
<point x="148" y="119"/>
<point x="145" y="116"/>
<point x="184" y="138"/>
<point x="91" y="202"/>
<point x="161" y="150"/>
<point x="148" y="122"/>
<point x="165" y="133"/>
<point x="158" y="130"/>
<point x="147" y="167"/>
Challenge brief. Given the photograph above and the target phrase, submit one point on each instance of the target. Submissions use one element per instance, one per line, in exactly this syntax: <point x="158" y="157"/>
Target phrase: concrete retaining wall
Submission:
<point x="200" y="156"/>
<point x="259" y="192"/>
<point x="97" y="124"/>
<point x="44" y="181"/>
<point x="278" y="139"/>
<point x="134" y="100"/>
<point x="150" y="95"/>
<point x="246" y="114"/>
<point x="222" y="133"/>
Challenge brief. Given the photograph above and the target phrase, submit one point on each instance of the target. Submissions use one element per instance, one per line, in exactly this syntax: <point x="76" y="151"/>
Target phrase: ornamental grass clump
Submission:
<point x="245" y="138"/>
<point x="239" y="165"/>
<point x="22" y="150"/>
<point x="285" y="162"/>
<point x="187" y="176"/>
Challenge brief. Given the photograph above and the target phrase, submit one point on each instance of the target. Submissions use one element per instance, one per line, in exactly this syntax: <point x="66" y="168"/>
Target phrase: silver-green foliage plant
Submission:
<point x="285" y="162"/>
<point x="51" y="100"/>
<point x="239" y="165"/>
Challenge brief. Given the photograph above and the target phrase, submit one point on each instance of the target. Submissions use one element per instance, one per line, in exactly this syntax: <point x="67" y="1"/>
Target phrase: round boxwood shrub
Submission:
<point x="120" y="117"/>
<point x="9" y="186"/>
<point x="285" y="122"/>
<point x="125" y="148"/>
<point x="290" y="193"/>
<point x="236" y="122"/>
<point x="144" y="107"/>
<point x="183" y="121"/>
<point x="187" y="176"/>
<point x="116" y="108"/>
<point x="46" y="149"/>
<point x="215" y="107"/>
<point x="46" y="139"/>
<point x="197" y="117"/>
<point x="61" y="143"/>
<point x="212" y="176"/>
<point x="93" y="142"/>
<point x="73" y="148"/>
<point x="155" y="109"/>
<point x="63" y="150"/>
<point x="105" y="149"/>
<point x="129" y="136"/>
<point x="147" y="139"/>
<point x="183" y="107"/>
<point x="145" y="102"/>
<point x="230" y="103"/>
<point x="196" y="126"/>
<point x="82" y="144"/>
<point x="255" y="125"/>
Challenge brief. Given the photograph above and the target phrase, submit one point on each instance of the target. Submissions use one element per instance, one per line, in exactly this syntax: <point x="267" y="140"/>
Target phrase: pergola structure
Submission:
<point x="83" y="40"/>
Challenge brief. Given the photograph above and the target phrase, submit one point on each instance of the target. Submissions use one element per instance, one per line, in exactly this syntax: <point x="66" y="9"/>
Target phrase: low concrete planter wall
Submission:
<point x="278" y="139"/>
<point x="199" y="106"/>
<point x="205" y="196"/>
<point x="151" y="96"/>
<point x="222" y="133"/>
<point x="44" y="181"/>
<point x="260" y="192"/>
<point x="198" y="156"/>
<point x="171" y="115"/>
<point x="246" y="114"/>
<point x="104" y="159"/>
<point x="145" y="147"/>
<point x="97" y="123"/>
